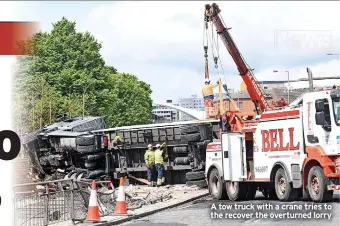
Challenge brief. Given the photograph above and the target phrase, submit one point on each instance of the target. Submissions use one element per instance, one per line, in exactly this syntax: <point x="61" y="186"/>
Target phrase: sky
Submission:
<point x="162" y="42"/>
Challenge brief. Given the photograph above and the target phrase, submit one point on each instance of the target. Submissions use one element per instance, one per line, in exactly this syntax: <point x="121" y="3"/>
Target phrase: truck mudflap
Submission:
<point x="333" y="187"/>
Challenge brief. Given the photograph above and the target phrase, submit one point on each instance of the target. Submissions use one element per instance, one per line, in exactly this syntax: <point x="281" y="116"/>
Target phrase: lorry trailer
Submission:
<point x="185" y="141"/>
<point x="83" y="148"/>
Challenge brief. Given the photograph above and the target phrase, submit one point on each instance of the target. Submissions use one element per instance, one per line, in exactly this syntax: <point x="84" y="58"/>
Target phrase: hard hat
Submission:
<point x="207" y="80"/>
<point x="158" y="145"/>
<point x="150" y="146"/>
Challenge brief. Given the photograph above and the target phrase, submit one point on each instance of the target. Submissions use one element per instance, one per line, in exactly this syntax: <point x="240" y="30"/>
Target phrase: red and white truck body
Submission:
<point x="286" y="151"/>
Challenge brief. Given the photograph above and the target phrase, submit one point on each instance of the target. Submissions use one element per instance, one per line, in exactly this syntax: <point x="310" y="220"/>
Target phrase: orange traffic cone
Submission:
<point x="93" y="210"/>
<point x="121" y="203"/>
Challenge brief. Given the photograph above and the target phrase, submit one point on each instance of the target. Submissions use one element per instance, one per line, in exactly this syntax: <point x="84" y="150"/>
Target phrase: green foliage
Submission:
<point x="68" y="74"/>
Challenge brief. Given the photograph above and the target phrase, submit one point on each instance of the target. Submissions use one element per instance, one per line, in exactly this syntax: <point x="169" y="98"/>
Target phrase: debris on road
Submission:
<point x="142" y="195"/>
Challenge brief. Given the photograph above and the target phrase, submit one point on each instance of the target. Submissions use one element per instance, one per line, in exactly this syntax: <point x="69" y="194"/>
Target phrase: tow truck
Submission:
<point x="285" y="152"/>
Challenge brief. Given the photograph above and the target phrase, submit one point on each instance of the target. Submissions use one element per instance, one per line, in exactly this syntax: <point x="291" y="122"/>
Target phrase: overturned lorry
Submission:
<point x="82" y="148"/>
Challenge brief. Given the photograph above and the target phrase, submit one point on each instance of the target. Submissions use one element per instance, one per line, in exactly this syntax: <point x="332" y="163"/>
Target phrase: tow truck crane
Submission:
<point x="285" y="153"/>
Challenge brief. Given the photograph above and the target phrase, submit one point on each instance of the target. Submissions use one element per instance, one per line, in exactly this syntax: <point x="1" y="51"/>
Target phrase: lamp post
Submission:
<point x="275" y="71"/>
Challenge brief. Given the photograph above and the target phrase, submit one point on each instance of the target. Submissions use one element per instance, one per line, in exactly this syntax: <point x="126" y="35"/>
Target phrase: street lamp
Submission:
<point x="276" y="71"/>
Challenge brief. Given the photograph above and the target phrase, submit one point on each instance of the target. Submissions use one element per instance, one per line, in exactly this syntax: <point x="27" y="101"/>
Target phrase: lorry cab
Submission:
<point x="289" y="152"/>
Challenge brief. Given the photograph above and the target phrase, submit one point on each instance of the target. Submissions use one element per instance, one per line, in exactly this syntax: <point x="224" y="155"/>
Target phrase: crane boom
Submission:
<point x="254" y="89"/>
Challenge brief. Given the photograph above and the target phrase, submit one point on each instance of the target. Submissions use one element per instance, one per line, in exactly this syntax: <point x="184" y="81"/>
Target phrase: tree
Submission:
<point x="67" y="73"/>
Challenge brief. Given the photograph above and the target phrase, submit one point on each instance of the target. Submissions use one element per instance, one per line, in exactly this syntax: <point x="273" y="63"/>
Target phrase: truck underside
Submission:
<point x="74" y="149"/>
<point x="185" y="145"/>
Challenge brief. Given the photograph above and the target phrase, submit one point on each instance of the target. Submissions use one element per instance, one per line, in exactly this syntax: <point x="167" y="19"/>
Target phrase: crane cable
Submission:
<point x="217" y="59"/>
<point x="205" y="47"/>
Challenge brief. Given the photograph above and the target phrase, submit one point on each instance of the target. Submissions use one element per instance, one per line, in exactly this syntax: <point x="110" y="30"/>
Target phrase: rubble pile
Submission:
<point x="138" y="196"/>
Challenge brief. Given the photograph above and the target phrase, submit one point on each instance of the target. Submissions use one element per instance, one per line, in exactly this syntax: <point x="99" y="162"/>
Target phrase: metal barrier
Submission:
<point x="47" y="203"/>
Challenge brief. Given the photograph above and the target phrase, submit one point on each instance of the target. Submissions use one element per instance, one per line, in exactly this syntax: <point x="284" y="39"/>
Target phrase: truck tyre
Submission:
<point x="90" y="165"/>
<point x="180" y="150"/>
<point x="190" y="176"/>
<point x="181" y="161"/>
<point x="317" y="185"/>
<point x="85" y="140"/>
<point x="284" y="189"/>
<point x="190" y="129"/>
<point x="305" y="194"/>
<point x="198" y="183"/>
<point x="95" y="174"/>
<point x="217" y="186"/>
<point x="86" y="149"/>
<point x="236" y="190"/>
<point x="192" y="137"/>
<point x="94" y="157"/>
<point x="251" y="191"/>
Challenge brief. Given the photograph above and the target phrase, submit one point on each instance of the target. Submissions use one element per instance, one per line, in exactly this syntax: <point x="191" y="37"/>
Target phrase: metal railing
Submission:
<point x="47" y="203"/>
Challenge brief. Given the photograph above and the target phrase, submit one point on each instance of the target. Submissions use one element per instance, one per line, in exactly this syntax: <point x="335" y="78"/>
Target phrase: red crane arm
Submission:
<point x="254" y="89"/>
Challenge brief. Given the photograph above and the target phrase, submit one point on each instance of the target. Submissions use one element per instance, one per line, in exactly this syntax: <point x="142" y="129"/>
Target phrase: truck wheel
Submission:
<point x="180" y="150"/>
<point x="217" y="186"/>
<point x="90" y="165"/>
<point x="85" y="140"/>
<point x="284" y="189"/>
<point x="95" y="157"/>
<point x="192" y="137"/>
<point x="251" y="191"/>
<point x="305" y="194"/>
<point x="86" y="149"/>
<point x="198" y="183"/>
<point x="236" y="190"/>
<point x="190" y="176"/>
<point x="317" y="185"/>
<point x="190" y="129"/>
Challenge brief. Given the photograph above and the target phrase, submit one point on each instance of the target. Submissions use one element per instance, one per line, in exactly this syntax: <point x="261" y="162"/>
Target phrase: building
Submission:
<point x="275" y="89"/>
<point x="162" y="114"/>
<point x="192" y="102"/>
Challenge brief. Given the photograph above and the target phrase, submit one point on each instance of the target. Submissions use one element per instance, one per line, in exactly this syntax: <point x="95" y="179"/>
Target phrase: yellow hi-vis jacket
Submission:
<point x="208" y="90"/>
<point x="160" y="156"/>
<point x="149" y="157"/>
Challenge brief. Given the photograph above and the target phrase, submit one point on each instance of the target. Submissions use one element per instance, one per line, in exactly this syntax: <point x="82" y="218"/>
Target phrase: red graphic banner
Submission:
<point x="13" y="37"/>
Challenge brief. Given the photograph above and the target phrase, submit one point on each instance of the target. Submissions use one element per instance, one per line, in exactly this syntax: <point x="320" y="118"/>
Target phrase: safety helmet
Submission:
<point x="158" y="145"/>
<point x="207" y="80"/>
<point x="150" y="146"/>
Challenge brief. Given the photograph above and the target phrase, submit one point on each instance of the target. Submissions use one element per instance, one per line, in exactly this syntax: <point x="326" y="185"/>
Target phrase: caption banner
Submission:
<point x="271" y="211"/>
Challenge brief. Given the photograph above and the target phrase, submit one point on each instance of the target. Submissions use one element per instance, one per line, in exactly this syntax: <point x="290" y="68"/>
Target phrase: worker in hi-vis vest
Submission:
<point x="149" y="158"/>
<point x="208" y="90"/>
<point x="160" y="156"/>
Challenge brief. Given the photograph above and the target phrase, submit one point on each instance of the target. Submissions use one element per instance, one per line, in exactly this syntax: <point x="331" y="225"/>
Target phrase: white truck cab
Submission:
<point x="288" y="153"/>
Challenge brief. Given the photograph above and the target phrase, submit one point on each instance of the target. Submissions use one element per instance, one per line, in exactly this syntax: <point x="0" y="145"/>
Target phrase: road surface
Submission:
<point x="199" y="213"/>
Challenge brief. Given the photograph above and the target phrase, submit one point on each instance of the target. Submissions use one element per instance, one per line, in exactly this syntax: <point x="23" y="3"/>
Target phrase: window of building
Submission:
<point x="265" y="87"/>
<point x="240" y="105"/>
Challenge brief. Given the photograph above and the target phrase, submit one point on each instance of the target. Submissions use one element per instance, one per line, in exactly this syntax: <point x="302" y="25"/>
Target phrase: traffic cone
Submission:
<point x="93" y="210"/>
<point x="121" y="203"/>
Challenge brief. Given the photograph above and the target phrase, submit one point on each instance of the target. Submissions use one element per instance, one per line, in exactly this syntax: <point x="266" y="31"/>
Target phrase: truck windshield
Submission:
<point x="336" y="108"/>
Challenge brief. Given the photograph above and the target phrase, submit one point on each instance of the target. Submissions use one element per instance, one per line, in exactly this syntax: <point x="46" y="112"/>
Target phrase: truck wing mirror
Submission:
<point x="320" y="118"/>
<point x="319" y="106"/>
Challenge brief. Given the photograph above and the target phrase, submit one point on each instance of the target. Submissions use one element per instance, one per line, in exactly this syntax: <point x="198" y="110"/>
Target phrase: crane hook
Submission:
<point x="205" y="51"/>
<point x="215" y="61"/>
